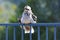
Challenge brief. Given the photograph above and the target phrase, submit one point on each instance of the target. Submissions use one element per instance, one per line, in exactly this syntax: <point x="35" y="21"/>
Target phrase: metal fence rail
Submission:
<point x="37" y="24"/>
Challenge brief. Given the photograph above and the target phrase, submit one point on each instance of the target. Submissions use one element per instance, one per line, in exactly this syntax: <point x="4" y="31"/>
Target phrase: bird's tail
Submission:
<point x="27" y="29"/>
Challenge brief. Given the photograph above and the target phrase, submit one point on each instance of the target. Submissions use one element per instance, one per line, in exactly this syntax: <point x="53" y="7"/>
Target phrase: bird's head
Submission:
<point x="27" y="10"/>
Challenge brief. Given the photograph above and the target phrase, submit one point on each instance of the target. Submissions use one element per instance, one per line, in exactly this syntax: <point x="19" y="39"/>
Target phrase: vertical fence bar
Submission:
<point x="30" y="33"/>
<point x="6" y="32"/>
<point x="55" y="33"/>
<point x="38" y="33"/>
<point x="14" y="33"/>
<point x="46" y="33"/>
<point x="22" y="34"/>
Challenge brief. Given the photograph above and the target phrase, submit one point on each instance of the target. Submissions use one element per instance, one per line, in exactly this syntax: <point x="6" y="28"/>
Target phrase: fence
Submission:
<point x="37" y="24"/>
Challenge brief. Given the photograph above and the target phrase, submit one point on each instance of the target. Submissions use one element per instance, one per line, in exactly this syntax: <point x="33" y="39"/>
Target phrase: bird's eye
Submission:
<point x="26" y="9"/>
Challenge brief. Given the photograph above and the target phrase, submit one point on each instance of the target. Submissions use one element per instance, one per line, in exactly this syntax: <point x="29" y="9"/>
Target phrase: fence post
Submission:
<point x="22" y="33"/>
<point x="14" y="34"/>
<point x="54" y="32"/>
<point x="30" y="34"/>
<point x="38" y="33"/>
<point x="46" y="32"/>
<point x="6" y="32"/>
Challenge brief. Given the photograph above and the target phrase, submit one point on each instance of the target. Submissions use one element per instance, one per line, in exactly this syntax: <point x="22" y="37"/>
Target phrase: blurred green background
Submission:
<point x="47" y="11"/>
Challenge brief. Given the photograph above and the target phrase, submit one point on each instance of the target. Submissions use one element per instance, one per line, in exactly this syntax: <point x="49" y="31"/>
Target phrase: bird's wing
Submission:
<point x="34" y="17"/>
<point x="19" y="19"/>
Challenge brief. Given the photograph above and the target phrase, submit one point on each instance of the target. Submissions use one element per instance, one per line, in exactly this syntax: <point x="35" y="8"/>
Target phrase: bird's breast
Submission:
<point x="25" y="20"/>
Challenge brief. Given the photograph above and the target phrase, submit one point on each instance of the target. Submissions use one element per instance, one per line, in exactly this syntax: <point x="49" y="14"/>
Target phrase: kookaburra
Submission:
<point x="27" y="18"/>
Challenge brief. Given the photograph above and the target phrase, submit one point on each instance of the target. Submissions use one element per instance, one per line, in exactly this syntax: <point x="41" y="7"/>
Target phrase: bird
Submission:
<point x="27" y="18"/>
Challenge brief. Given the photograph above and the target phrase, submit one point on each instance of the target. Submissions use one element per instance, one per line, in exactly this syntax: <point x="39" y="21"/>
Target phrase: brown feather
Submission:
<point x="27" y="28"/>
